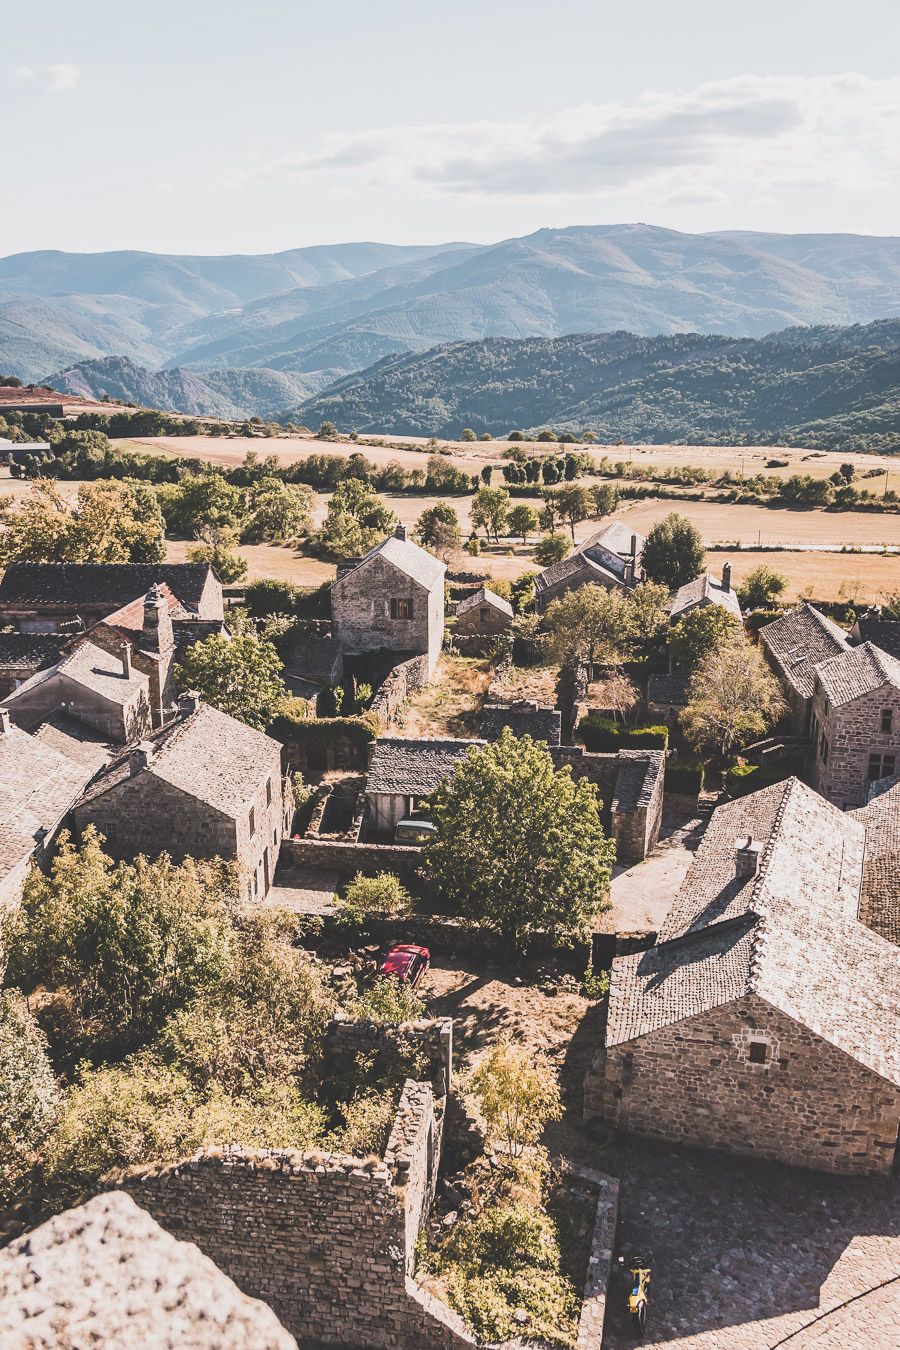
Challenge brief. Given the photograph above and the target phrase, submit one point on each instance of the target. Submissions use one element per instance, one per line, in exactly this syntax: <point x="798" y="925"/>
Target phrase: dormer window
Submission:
<point x="887" y="720"/>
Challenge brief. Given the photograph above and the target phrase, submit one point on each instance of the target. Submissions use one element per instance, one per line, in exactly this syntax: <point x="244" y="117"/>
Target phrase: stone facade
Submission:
<point x="484" y="614"/>
<point x="694" y="1083"/>
<point x="850" y="737"/>
<point x="394" y="599"/>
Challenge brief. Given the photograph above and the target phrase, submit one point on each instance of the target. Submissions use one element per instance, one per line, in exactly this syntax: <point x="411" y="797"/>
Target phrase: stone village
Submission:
<point x="744" y="1039"/>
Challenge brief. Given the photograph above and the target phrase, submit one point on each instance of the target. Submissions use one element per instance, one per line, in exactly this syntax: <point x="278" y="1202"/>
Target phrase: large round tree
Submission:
<point x="519" y="846"/>
<point x="674" y="552"/>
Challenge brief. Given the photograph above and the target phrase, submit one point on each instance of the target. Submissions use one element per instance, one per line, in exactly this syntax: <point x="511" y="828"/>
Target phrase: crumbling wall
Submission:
<point x="403" y="680"/>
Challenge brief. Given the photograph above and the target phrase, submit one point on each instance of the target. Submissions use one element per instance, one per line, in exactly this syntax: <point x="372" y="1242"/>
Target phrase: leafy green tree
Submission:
<point x="438" y="527"/>
<point x="547" y="435"/>
<point x="517" y="1094"/>
<point x="109" y="522"/>
<point x="29" y="1095"/>
<point x="733" y="698"/>
<point x="673" y="553"/>
<point x="468" y="434"/>
<point x="522" y="521"/>
<point x="218" y="547"/>
<point x="240" y="676"/>
<point x="381" y="894"/>
<point x="201" y="501"/>
<point x="269" y="596"/>
<point x="389" y="1000"/>
<point x="551" y="549"/>
<point x="357" y="520"/>
<point x="519" y="847"/>
<point x="698" y="633"/>
<point x="490" y="511"/>
<point x="573" y="504"/>
<point x="605" y="499"/>
<point x="328" y="431"/>
<point x="278" y="510"/>
<point x="648" y="618"/>
<point x="586" y="626"/>
<point x="762" y="588"/>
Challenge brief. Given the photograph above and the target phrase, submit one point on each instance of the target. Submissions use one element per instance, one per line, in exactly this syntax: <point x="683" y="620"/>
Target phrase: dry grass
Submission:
<point x="537" y="683"/>
<point x="449" y="706"/>
<point x="862" y="577"/>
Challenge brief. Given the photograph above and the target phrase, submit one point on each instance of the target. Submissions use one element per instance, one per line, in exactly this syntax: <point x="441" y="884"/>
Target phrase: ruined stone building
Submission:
<point x="483" y="613"/>
<point x="51" y="597"/>
<point x="706" y="590"/>
<point x="609" y="558"/>
<point x="764" y="1020"/>
<point x="392" y="599"/>
<point x="203" y="786"/>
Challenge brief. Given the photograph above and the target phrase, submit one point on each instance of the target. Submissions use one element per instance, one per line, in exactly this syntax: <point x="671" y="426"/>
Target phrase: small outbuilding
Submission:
<point x="483" y="612"/>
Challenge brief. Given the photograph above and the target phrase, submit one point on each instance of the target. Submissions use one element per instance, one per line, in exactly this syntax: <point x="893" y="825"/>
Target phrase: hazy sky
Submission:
<point x="198" y="127"/>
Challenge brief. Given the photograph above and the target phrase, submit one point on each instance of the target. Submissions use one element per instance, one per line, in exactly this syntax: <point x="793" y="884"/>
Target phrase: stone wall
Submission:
<point x="347" y="856"/>
<point x="403" y="680"/>
<point x="809" y="1104"/>
<point x="637" y="815"/>
<point x="361" y="602"/>
<point x="593" y="1309"/>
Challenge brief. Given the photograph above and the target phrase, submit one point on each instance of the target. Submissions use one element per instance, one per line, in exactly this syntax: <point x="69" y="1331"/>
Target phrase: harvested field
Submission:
<point x="722" y="523"/>
<point x="862" y="577"/>
<point x="230" y="451"/>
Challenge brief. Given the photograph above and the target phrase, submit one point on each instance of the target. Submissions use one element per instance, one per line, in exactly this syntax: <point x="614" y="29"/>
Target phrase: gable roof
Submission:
<point x="885" y="633"/>
<point x="422" y="566"/>
<point x="483" y="596"/>
<point x="37" y="787"/>
<point x="26" y="584"/>
<point x="207" y="755"/>
<point x="129" y="619"/>
<point x="28" y="651"/>
<point x="857" y="671"/>
<point x="879" y="905"/>
<point x="93" y="668"/>
<point x="788" y="934"/>
<point x="704" y="590"/>
<point x="587" y="559"/>
<point x="799" y="641"/>
<point x="413" y="768"/>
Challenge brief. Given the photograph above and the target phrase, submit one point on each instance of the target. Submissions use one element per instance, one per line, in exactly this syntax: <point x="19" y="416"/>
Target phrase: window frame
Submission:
<point x="401" y="608"/>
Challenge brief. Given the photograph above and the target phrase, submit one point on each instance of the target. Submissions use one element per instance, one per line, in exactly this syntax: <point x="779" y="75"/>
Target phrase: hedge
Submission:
<point x="743" y="778"/>
<point x="286" y="726"/>
<point x="685" y="777"/>
<point x="602" y="733"/>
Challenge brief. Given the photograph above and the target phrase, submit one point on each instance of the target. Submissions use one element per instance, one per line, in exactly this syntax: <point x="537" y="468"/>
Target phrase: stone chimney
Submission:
<point x="726" y="577"/>
<point x="747" y="853"/>
<point x="143" y="756"/>
<point x="400" y="532"/>
<point x="5" y="722"/>
<point x="125" y="649"/>
<point x="188" y="703"/>
<point x="156" y="634"/>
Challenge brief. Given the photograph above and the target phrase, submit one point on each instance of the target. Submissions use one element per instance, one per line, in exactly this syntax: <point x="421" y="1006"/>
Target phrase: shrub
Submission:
<point x="743" y="778"/>
<point x="685" y="776"/>
<point x="517" y="1094"/>
<point x="389" y="1000"/>
<point x="270" y="597"/>
<point x="603" y="734"/>
<point x="381" y="894"/>
<point x="28" y="1094"/>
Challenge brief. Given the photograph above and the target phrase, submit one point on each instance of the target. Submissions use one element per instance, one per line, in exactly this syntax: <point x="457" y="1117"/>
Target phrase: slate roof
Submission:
<point x="483" y="596"/>
<point x="858" y="671"/>
<point x="615" y="538"/>
<point x="671" y="689"/>
<point x="879" y="905"/>
<point x="92" y="668"/>
<point x="524" y="718"/>
<point x="638" y="771"/>
<point x="798" y="641"/>
<point x="413" y="768"/>
<point x="29" y="651"/>
<point x="207" y="755"/>
<point x="37" y="787"/>
<point x="788" y="934"/>
<point x="26" y="584"/>
<point x="76" y="740"/>
<point x="106" y="1274"/>
<point x="407" y="557"/>
<point x="885" y="633"/>
<point x="704" y="590"/>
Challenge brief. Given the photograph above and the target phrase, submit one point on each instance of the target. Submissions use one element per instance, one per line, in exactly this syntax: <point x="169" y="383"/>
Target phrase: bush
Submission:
<point x="28" y="1094"/>
<point x="270" y="597"/>
<point x="685" y="777"/>
<point x="381" y="894"/>
<point x="603" y="734"/>
<point x="389" y="1000"/>
<point x="743" y="778"/>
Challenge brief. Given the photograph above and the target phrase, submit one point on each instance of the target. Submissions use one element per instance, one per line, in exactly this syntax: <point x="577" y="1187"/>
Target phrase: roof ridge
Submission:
<point x="770" y="844"/>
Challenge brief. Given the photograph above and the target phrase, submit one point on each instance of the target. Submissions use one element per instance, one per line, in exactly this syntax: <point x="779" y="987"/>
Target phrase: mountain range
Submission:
<point x="825" y="386"/>
<point x="333" y="310"/>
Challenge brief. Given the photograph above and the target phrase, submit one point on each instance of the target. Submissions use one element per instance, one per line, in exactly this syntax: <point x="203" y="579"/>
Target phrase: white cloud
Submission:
<point x="687" y="147"/>
<point x="56" y="78"/>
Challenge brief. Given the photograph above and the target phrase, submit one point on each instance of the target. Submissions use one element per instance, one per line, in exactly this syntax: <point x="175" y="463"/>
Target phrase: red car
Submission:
<point x="406" y="963"/>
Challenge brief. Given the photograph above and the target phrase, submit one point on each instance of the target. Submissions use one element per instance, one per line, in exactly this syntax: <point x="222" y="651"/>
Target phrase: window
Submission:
<point x="252" y="822"/>
<point x="401" y="609"/>
<point x="758" y="1052"/>
<point x="269" y="793"/>
<point x="887" y="720"/>
<point x="824" y="750"/>
<point x="484" y="613"/>
<point x="882" y="766"/>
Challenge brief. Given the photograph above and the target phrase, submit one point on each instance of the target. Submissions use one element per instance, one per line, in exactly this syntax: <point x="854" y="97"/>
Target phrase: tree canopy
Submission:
<point x="240" y="675"/>
<point x="733" y="698"/>
<point x="109" y="522"/>
<point x="357" y="520"/>
<point x="673" y="553"/>
<point x="698" y="632"/>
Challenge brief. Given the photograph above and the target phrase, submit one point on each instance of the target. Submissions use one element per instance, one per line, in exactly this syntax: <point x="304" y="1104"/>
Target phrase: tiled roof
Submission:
<point x="92" y="584"/>
<point x="106" y="1274"/>
<point x="207" y="755"/>
<point x="858" y="671"/>
<point x="129" y="619"/>
<point x="29" y="651"/>
<point x="798" y="641"/>
<point x="483" y="596"/>
<point x="616" y="536"/>
<point x="37" y="787"/>
<point x="577" y="564"/>
<point x="92" y="668"/>
<point x="638" y="771"/>
<point x="879" y="905"/>
<point x="74" y="739"/>
<point x="413" y="768"/>
<point x="587" y="559"/>
<point x="407" y="557"/>
<point x="668" y="689"/>
<point x="885" y="633"/>
<point x="788" y="934"/>
<point x="704" y="590"/>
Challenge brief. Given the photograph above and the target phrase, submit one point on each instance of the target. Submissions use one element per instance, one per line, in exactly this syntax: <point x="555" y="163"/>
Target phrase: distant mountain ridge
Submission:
<point x="826" y="386"/>
<point x="343" y="307"/>
<point x="230" y="394"/>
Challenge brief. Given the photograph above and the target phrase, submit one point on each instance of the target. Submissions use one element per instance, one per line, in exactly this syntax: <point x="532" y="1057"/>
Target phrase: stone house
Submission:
<point x="667" y="697"/>
<point x="609" y="558"/>
<point x="764" y="1020"/>
<point x="45" y="597"/>
<point x="706" y="590"/>
<point x="101" y="689"/>
<point x="203" y="786"/>
<point x="880" y="818"/>
<point x="146" y="627"/>
<point x="393" y="599"/>
<point x="875" y="626"/>
<point x="855" y="723"/>
<point x="793" y="646"/>
<point x="37" y="788"/>
<point x="483" y="613"/>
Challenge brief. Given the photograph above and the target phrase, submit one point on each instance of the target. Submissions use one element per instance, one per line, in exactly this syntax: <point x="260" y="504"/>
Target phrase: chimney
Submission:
<point x="726" y="577"/>
<point x="400" y="532"/>
<point x="143" y="756"/>
<point x="188" y="703"/>
<point x="125" y="649"/>
<point x="746" y="856"/>
<point x="5" y="723"/>
<point x="156" y="633"/>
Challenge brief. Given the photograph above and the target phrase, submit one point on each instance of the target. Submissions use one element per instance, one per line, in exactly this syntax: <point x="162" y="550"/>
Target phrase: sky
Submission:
<point x="189" y="126"/>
